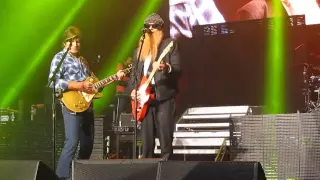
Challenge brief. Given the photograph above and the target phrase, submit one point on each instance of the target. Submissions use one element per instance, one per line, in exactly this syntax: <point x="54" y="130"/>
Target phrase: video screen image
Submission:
<point x="184" y="14"/>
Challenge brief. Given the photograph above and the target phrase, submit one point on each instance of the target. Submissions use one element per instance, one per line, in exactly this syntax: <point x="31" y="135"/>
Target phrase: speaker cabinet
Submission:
<point x="25" y="170"/>
<point x="116" y="169"/>
<point x="193" y="170"/>
<point x="155" y="169"/>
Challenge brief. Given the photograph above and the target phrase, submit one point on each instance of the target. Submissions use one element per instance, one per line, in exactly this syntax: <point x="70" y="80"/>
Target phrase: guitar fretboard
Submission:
<point x="110" y="79"/>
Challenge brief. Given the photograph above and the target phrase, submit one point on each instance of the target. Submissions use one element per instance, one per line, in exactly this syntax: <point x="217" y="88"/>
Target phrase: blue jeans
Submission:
<point x="79" y="126"/>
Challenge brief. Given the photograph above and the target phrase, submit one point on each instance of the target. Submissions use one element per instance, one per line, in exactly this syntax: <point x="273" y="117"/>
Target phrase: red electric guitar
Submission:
<point x="145" y="90"/>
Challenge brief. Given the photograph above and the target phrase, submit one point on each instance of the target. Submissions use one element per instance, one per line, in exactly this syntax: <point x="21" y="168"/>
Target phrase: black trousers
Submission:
<point x="159" y="120"/>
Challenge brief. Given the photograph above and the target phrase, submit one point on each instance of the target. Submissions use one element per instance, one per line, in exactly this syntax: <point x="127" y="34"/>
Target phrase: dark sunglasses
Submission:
<point x="154" y="26"/>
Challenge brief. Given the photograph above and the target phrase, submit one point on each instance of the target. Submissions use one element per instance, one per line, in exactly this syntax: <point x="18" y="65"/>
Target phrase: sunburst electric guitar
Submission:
<point x="78" y="101"/>
<point x="145" y="90"/>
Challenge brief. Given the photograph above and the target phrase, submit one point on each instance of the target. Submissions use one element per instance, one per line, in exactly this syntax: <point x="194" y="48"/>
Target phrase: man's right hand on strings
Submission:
<point x="87" y="87"/>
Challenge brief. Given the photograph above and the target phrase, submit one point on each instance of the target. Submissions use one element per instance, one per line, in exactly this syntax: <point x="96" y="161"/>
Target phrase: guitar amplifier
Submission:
<point x="125" y="124"/>
<point x="126" y="119"/>
<point x="125" y="127"/>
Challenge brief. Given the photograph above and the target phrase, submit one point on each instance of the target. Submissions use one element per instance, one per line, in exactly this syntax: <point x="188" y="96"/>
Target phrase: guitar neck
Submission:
<point x="160" y="59"/>
<point x="105" y="81"/>
<point x="109" y="79"/>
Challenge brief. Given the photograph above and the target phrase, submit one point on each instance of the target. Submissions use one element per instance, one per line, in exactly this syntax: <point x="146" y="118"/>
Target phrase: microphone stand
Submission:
<point x="54" y="117"/>
<point x="134" y="151"/>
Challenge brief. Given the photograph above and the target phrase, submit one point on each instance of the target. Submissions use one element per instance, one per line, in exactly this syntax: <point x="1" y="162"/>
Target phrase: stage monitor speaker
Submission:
<point x="25" y="170"/>
<point x="115" y="169"/>
<point x="193" y="170"/>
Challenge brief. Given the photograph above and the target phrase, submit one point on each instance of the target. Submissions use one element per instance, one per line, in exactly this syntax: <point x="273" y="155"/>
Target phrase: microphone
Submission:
<point x="145" y="30"/>
<point x="98" y="59"/>
<point x="70" y="40"/>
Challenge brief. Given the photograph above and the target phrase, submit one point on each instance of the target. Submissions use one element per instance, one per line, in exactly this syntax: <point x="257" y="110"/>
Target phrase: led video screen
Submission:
<point x="184" y="14"/>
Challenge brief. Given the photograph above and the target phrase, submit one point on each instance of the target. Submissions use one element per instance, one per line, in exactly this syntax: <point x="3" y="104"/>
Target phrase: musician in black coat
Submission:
<point x="159" y="118"/>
